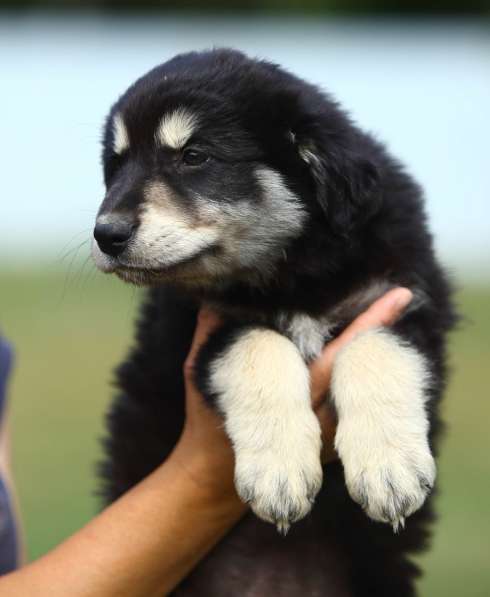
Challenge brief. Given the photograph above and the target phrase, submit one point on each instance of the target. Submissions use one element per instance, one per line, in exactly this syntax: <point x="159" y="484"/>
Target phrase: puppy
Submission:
<point x="233" y="182"/>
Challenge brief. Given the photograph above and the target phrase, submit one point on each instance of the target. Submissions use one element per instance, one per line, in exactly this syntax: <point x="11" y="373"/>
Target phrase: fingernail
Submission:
<point x="403" y="298"/>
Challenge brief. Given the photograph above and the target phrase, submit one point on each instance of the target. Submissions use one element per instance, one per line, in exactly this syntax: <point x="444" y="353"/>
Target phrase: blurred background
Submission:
<point x="415" y="73"/>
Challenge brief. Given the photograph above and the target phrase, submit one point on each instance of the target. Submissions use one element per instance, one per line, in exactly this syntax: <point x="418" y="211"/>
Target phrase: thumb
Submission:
<point x="383" y="312"/>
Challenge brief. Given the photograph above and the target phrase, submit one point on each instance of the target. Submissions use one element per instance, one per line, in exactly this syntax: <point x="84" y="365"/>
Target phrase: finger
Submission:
<point x="383" y="312"/>
<point x="207" y="321"/>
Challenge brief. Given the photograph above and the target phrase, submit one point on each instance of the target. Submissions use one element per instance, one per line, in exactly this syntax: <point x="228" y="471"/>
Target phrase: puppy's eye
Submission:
<point x="194" y="157"/>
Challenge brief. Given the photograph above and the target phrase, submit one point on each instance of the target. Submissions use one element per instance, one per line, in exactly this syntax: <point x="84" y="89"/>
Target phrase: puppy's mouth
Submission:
<point x="186" y="270"/>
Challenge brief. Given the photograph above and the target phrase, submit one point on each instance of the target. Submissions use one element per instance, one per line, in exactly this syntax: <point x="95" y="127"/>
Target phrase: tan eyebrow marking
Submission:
<point x="176" y="128"/>
<point x="121" y="139"/>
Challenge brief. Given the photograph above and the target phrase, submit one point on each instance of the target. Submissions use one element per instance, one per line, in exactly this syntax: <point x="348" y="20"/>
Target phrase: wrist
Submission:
<point x="209" y="479"/>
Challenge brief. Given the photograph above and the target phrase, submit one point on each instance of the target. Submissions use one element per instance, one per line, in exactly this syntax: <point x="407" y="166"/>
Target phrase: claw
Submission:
<point x="283" y="527"/>
<point x="398" y="525"/>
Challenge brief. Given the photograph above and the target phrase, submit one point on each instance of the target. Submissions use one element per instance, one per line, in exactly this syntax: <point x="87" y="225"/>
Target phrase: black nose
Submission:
<point x="113" y="238"/>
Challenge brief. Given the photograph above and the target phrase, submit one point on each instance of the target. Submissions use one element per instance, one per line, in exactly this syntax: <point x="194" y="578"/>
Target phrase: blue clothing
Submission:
<point x="8" y="531"/>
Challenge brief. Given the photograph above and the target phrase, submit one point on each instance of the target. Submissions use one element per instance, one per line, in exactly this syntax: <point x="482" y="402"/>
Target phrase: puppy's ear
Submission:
<point x="347" y="184"/>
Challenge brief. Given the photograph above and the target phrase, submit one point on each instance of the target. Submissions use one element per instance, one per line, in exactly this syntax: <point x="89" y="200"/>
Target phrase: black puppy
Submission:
<point x="233" y="182"/>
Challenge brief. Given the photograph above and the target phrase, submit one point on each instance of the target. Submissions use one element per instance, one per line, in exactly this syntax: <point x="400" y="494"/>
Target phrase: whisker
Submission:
<point x="68" y="252"/>
<point x="74" y="254"/>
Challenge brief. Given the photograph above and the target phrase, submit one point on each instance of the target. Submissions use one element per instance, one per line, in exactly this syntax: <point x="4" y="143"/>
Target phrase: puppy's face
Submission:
<point x="214" y="164"/>
<point x="191" y="195"/>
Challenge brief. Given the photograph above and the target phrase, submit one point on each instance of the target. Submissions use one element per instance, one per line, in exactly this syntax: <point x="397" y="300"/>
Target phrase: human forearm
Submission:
<point x="142" y="545"/>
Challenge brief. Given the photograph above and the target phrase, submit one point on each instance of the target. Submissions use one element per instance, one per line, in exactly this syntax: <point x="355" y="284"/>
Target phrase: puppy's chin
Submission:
<point x="151" y="278"/>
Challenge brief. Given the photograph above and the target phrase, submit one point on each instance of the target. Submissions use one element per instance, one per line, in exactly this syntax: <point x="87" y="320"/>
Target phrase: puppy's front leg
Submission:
<point x="260" y="384"/>
<point x="379" y="386"/>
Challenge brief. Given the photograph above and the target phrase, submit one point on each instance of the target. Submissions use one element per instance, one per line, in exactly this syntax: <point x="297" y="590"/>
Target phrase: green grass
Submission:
<point x="69" y="330"/>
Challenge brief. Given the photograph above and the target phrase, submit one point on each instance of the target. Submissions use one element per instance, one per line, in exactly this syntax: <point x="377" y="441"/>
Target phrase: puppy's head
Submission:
<point x="206" y="177"/>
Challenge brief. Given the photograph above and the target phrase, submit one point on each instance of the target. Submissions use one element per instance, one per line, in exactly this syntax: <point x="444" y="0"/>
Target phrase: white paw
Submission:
<point x="389" y="479"/>
<point x="379" y="387"/>
<point x="263" y="390"/>
<point x="280" y="486"/>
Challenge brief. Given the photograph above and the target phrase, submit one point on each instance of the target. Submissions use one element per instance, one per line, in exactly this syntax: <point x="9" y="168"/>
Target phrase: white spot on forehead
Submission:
<point x="176" y="128"/>
<point x="121" y="139"/>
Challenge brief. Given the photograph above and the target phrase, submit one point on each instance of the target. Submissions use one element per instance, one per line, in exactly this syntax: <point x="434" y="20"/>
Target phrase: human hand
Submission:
<point x="204" y="450"/>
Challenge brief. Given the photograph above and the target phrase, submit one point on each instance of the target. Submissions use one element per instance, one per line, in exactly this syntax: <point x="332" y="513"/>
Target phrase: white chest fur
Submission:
<point x="309" y="334"/>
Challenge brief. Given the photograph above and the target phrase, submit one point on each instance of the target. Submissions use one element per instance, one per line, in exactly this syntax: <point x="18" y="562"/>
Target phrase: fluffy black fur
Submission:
<point x="365" y="222"/>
